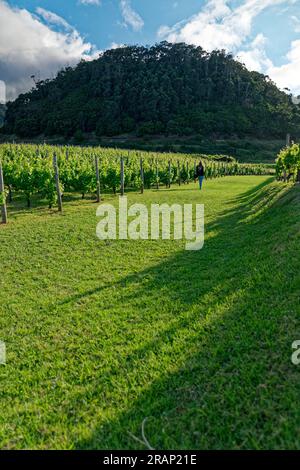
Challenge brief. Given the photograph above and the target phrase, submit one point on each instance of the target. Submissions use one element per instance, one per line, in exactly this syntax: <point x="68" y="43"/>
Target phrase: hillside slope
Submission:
<point x="167" y="89"/>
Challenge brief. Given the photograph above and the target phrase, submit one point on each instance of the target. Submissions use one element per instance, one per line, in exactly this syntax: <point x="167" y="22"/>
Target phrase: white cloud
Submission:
<point x="53" y="18"/>
<point x="288" y="75"/>
<point x="131" y="17"/>
<point x="285" y="76"/>
<point x="217" y="25"/>
<point x="28" y="46"/>
<point x="255" y="57"/>
<point x="90" y="2"/>
<point x="115" y="45"/>
<point x="220" y="26"/>
<point x="296" y="24"/>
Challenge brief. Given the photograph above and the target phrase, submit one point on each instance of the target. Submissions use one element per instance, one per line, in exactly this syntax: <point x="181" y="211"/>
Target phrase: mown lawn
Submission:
<point x="104" y="336"/>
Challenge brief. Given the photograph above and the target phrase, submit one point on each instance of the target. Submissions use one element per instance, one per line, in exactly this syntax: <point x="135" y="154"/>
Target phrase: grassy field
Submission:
<point x="103" y="337"/>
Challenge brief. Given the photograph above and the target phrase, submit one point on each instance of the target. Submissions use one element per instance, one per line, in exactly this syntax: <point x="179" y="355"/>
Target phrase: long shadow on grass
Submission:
<point x="218" y="370"/>
<point x="229" y="218"/>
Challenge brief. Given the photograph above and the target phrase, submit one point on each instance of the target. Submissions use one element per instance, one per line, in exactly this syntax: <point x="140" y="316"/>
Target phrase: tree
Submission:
<point x="166" y="89"/>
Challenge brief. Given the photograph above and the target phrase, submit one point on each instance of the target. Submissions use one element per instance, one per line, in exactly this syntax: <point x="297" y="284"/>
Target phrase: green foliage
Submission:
<point x="288" y="161"/>
<point x="26" y="170"/>
<point x="29" y="169"/>
<point x="78" y="137"/>
<point x="169" y="89"/>
<point x="2" y="114"/>
<point x="3" y="198"/>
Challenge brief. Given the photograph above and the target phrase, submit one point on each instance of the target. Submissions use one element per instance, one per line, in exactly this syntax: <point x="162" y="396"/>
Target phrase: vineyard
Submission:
<point x="108" y="340"/>
<point x="103" y="335"/>
<point x="30" y="170"/>
<point x="149" y="230"/>
<point x="288" y="163"/>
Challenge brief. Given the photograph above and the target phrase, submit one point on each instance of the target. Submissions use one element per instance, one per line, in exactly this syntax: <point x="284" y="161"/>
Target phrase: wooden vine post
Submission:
<point x="122" y="177"/>
<point x="195" y="169"/>
<point x="188" y="174"/>
<point x="58" y="191"/>
<point x="157" y="178"/>
<point x="98" y="178"/>
<point x="2" y="197"/>
<point x="142" y="176"/>
<point x="179" y="171"/>
<point x="170" y="174"/>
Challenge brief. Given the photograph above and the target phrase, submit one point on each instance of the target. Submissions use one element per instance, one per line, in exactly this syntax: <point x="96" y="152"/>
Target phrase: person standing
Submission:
<point x="200" y="173"/>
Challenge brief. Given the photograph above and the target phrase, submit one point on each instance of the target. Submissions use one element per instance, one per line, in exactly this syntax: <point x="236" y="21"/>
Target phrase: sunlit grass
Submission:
<point x="101" y="335"/>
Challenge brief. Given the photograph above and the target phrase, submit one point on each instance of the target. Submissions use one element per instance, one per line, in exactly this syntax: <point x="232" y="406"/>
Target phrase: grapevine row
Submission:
<point x="29" y="169"/>
<point x="288" y="163"/>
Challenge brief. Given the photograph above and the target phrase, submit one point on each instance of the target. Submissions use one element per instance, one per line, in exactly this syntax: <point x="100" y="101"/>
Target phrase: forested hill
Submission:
<point x="170" y="89"/>
<point x="2" y="113"/>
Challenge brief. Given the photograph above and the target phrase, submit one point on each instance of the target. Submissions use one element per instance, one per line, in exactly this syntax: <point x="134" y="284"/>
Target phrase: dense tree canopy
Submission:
<point x="173" y="89"/>
<point x="2" y="114"/>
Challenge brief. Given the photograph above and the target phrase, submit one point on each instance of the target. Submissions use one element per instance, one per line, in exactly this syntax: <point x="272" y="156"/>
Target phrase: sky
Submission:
<point x="40" y="37"/>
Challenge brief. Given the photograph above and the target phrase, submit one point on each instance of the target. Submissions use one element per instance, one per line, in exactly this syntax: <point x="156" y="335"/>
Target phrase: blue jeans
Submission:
<point x="201" y="179"/>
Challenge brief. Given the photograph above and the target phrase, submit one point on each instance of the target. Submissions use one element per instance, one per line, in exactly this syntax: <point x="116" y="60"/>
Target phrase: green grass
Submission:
<point x="102" y="335"/>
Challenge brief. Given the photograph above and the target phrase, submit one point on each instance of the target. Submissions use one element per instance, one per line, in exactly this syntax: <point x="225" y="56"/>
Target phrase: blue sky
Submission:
<point x="103" y="24"/>
<point x="264" y="34"/>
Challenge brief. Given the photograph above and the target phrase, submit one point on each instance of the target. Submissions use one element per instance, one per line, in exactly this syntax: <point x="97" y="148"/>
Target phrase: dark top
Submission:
<point x="200" y="170"/>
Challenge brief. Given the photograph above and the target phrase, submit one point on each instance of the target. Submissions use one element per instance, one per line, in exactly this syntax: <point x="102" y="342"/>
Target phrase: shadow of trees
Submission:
<point x="218" y="363"/>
